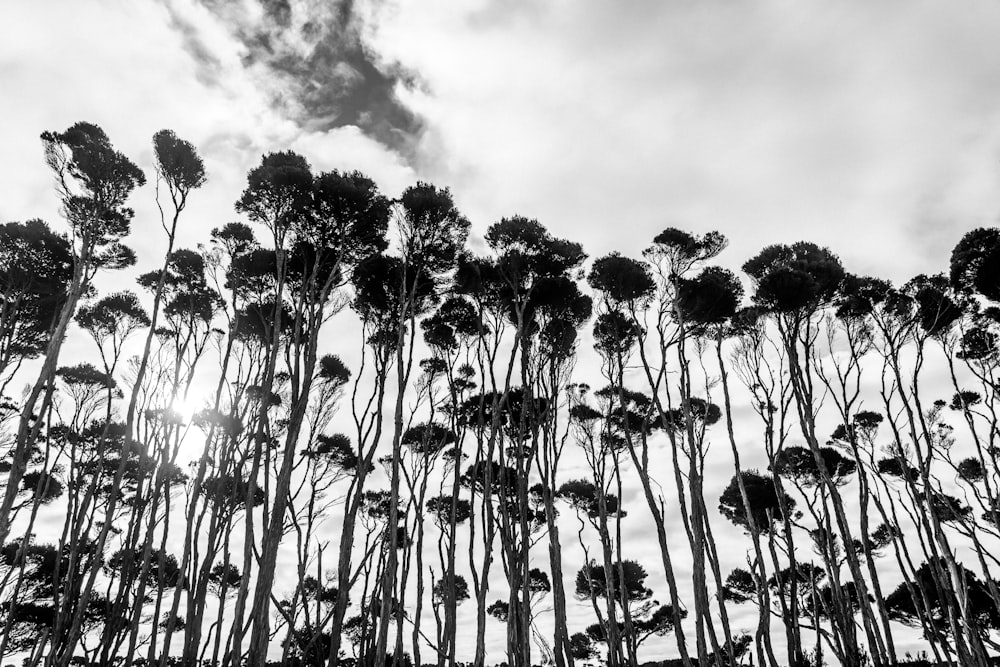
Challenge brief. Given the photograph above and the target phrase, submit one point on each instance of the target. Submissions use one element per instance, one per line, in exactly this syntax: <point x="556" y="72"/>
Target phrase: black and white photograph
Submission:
<point x="499" y="333"/>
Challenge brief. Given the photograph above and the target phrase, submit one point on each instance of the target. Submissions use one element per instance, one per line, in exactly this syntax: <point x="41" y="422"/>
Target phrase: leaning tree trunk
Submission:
<point x="27" y="432"/>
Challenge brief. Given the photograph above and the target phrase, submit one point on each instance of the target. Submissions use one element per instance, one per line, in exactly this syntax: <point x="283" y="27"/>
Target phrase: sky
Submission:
<point x="869" y="127"/>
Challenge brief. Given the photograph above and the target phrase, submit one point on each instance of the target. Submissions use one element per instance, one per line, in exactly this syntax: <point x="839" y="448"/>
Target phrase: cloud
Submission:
<point x="768" y="121"/>
<point x="209" y="65"/>
<point x="312" y="60"/>
<point x="132" y="72"/>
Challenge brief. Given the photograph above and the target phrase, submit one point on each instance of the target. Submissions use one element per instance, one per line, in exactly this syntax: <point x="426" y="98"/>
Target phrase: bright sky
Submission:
<point x="870" y="127"/>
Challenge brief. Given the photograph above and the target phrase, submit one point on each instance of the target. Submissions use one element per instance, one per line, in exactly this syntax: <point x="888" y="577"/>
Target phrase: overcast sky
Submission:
<point x="870" y="127"/>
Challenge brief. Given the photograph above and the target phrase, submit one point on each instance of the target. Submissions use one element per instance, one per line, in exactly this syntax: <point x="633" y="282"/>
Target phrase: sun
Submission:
<point x="190" y="445"/>
<point x="186" y="406"/>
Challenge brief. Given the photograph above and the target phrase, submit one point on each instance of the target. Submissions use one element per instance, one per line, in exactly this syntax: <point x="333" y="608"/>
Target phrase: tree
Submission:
<point x="921" y="604"/>
<point x="794" y="284"/>
<point x="110" y="321"/>
<point x="627" y="585"/>
<point x="799" y="464"/>
<point x="526" y="285"/>
<point x="646" y="617"/>
<point x="36" y="267"/>
<point x="93" y="181"/>
<point x="628" y="288"/>
<point x="156" y="530"/>
<point x="975" y="263"/>
<point x="321" y="227"/>
<point x="766" y="509"/>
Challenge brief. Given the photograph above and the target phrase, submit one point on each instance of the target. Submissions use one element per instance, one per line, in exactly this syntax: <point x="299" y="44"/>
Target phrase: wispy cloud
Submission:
<point x="311" y="59"/>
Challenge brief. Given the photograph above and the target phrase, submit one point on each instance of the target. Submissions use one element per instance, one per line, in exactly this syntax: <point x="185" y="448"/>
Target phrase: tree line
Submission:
<point x="315" y="512"/>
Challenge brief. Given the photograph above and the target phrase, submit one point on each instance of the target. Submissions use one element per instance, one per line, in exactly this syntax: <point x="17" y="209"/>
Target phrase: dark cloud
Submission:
<point x="315" y="64"/>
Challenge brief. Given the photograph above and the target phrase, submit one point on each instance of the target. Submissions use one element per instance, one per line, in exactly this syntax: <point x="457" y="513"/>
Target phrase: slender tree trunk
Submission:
<point x="27" y="426"/>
